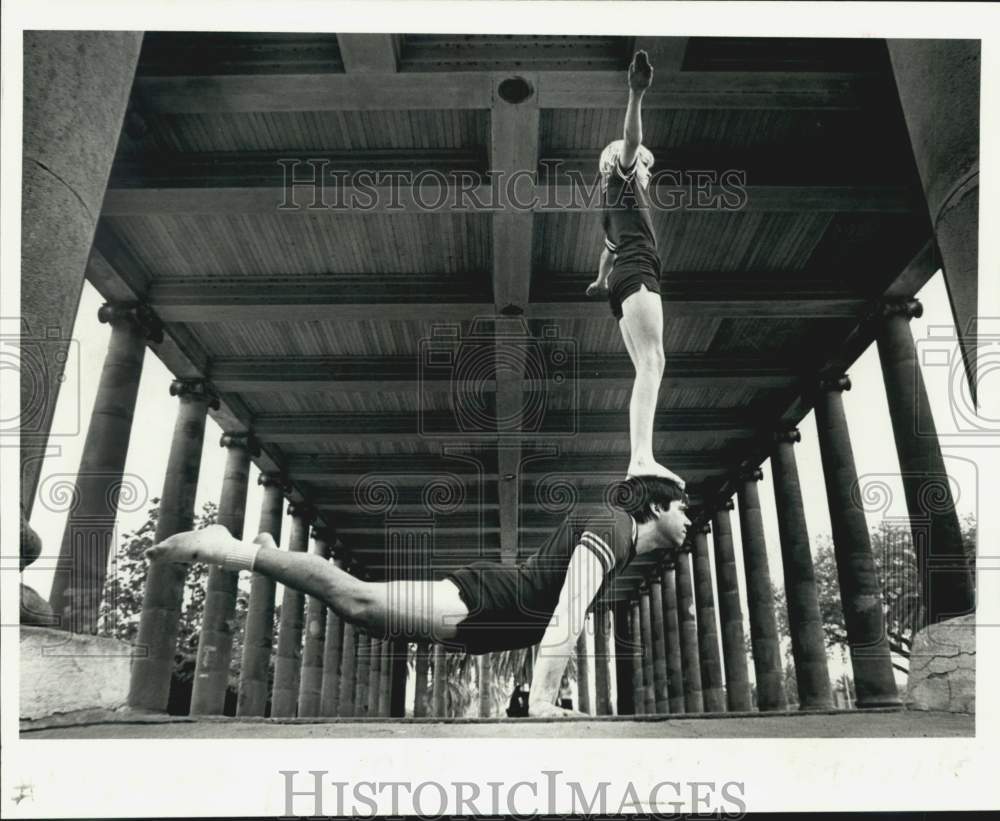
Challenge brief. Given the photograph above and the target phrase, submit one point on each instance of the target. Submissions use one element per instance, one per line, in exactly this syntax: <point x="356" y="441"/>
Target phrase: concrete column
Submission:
<point x="638" y="686"/>
<point x="421" y="694"/>
<point x="734" y="654"/>
<point x="440" y="679"/>
<point x="860" y="590"/>
<point x="804" y="620"/>
<point x="149" y="688"/>
<point x="364" y="648"/>
<point x="76" y="90"/>
<point x="688" y="628"/>
<point x="659" y="646"/>
<point x="259" y="631"/>
<point x="485" y="681"/>
<point x="583" y="673"/>
<point x="675" y="667"/>
<point x="78" y="584"/>
<point x="288" y="659"/>
<point x="938" y="84"/>
<point x="764" y="639"/>
<point x="645" y="622"/>
<point x="388" y="676"/>
<point x="348" y="671"/>
<point x="333" y="644"/>
<point x="215" y="642"/>
<point x="946" y="589"/>
<point x="311" y="679"/>
<point x="713" y="694"/>
<point x="602" y="660"/>
<point x="399" y="650"/>
<point x="623" y="659"/>
<point x="375" y="677"/>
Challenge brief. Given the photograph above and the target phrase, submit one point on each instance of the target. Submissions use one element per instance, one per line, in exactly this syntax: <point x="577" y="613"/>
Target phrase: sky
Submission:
<point x="865" y="406"/>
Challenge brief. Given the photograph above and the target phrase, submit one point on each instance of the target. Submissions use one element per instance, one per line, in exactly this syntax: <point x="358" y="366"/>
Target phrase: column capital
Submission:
<point x="302" y="510"/>
<point x="754" y="474"/>
<point x="241" y="439"/>
<point x="908" y="308"/>
<point x="138" y="313"/>
<point x="322" y="534"/>
<point x="835" y="382"/>
<point x="726" y="505"/>
<point x="669" y="562"/>
<point x="704" y="529"/>
<point x="789" y="436"/>
<point x="643" y="588"/>
<point x="196" y="389"/>
<point x="274" y="480"/>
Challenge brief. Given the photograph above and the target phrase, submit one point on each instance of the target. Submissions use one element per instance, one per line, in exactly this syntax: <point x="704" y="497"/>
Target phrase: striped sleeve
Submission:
<point x="600" y="548"/>
<point x="626" y="173"/>
<point x="610" y="246"/>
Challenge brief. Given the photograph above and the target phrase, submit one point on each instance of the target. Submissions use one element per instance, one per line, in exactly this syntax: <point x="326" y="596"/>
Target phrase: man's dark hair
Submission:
<point x="636" y="494"/>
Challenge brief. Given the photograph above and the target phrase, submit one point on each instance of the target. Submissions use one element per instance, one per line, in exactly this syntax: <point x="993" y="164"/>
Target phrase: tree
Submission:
<point x="897" y="569"/>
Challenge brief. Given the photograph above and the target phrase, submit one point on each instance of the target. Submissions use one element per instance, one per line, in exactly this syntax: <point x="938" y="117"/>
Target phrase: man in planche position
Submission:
<point x="485" y="606"/>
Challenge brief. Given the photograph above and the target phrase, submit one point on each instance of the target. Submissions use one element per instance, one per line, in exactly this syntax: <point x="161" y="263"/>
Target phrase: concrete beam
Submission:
<point x="459" y="195"/>
<point x="345" y="427"/>
<point x="473" y="90"/>
<point x="315" y="298"/>
<point x="375" y="374"/>
<point x="369" y="53"/>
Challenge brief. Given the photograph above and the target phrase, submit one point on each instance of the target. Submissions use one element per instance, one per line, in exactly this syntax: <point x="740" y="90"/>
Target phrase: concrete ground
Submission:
<point x="834" y="724"/>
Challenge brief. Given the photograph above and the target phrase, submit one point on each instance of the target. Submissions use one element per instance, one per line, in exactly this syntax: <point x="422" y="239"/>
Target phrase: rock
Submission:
<point x="31" y="544"/>
<point x="943" y="667"/>
<point x="34" y="609"/>
<point x="62" y="672"/>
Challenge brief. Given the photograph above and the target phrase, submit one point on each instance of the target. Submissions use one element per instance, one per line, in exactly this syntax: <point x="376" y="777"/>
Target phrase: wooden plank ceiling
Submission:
<point x="450" y="352"/>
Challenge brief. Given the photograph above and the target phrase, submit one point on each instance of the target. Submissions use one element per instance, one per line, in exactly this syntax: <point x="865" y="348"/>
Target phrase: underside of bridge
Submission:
<point x="414" y="361"/>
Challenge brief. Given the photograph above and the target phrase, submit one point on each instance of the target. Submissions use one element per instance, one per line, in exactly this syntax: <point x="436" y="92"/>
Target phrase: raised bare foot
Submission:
<point x="646" y="468"/>
<point x="210" y="544"/>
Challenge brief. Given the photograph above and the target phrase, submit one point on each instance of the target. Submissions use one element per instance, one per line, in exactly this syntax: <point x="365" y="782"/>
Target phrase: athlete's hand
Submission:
<point x="546" y="710"/>
<point x="640" y="72"/>
<point x="598" y="286"/>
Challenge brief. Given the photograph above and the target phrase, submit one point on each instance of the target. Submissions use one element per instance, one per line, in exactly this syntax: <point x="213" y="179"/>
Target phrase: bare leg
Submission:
<point x="642" y="330"/>
<point x="417" y="609"/>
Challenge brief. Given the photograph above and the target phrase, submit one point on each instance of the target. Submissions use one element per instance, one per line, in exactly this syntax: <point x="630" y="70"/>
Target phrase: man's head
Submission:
<point x="659" y="507"/>
<point x="609" y="157"/>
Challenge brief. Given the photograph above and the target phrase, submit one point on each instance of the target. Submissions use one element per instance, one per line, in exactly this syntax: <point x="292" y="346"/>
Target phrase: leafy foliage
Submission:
<point x="896" y="565"/>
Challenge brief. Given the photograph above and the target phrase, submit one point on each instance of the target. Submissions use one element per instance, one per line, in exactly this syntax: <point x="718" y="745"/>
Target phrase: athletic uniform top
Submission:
<point x="511" y="605"/>
<point x="628" y="227"/>
<point x="609" y="534"/>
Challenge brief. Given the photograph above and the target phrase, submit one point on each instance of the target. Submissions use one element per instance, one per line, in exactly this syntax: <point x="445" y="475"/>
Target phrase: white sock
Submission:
<point x="241" y="558"/>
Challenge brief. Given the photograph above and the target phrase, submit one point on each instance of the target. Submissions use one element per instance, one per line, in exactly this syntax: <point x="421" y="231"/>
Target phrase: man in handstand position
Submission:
<point x="485" y="606"/>
<point x="629" y="269"/>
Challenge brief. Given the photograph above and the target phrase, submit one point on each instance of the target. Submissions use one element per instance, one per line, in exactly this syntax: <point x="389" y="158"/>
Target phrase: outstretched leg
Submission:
<point x="642" y="330"/>
<point x="426" y="611"/>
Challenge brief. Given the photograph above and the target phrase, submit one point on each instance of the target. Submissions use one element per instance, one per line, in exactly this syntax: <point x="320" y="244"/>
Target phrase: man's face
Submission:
<point x="672" y="524"/>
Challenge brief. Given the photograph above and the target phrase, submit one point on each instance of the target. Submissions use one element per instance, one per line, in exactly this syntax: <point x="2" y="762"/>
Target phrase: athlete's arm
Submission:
<point x="583" y="580"/>
<point x="640" y="77"/>
<point x="604" y="266"/>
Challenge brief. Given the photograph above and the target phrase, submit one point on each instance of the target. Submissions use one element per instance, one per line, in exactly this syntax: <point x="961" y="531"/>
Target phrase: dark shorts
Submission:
<point x="625" y="281"/>
<point x="503" y="613"/>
